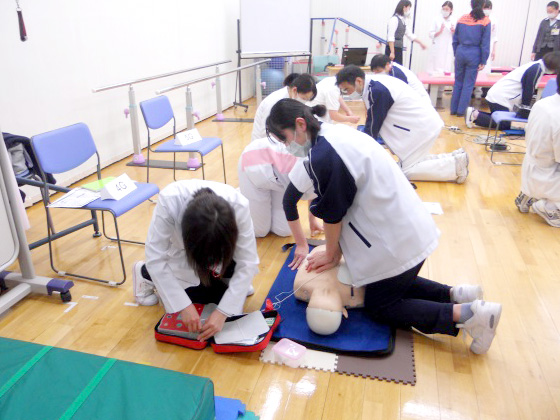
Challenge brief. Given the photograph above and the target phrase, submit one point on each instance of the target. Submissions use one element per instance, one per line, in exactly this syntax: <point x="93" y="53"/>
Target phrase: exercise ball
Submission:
<point x="273" y="78"/>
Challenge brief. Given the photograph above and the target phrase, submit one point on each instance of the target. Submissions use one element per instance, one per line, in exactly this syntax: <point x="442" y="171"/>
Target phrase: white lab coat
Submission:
<point x="263" y="177"/>
<point x="328" y="94"/>
<point x="410" y="129"/>
<point x="441" y="57"/>
<point x="540" y="174"/>
<point x="386" y="230"/>
<point x="263" y="111"/>
<point x="166" y="260"/>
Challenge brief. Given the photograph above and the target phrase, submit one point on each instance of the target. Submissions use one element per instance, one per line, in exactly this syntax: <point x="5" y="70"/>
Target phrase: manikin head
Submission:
<point x="329" y="294"/>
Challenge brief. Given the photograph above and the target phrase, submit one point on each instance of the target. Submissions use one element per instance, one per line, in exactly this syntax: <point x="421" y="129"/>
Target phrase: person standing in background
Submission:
<point x="493" y="43"/>
<point x="441" y="33"/>
<point x="397" y="30"/>
<point x="548" y="36"/>
<point x="471" y="44"/>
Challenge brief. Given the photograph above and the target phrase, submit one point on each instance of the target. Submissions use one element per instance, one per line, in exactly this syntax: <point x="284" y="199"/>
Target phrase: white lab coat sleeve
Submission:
<point x="158" y="261"/>
<point x="246" y="262"/>
<point x="392" y="28"/>
<point x="332" y="99"/>
<point x="259" y="122"/>
<point x="436" y="25"/>
<point x="556" y="145"/>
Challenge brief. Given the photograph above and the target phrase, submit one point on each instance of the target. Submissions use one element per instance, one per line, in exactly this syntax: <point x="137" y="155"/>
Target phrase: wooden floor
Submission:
<point x="485" y="240"/>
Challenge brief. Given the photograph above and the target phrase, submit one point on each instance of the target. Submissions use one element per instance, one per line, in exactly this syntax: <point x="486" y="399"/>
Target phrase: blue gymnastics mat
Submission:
<point x="357" y="335"/>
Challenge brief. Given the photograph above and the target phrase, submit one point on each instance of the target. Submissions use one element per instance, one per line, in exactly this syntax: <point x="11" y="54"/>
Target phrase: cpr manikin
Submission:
<point x="329" y="294"/>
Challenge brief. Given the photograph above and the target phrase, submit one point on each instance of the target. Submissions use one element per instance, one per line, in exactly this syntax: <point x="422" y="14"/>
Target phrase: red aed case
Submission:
<point x="170" y="329"/>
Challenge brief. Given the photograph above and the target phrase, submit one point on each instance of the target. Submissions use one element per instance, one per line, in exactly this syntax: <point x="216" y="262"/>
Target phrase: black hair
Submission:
<point x="379" y="61"/>
<point x="551" y="60"/>
<point x="284" y="113"/>
<point x="553" y="4"/>
<point x="448" y="4"/>
<point x="477" y="13"/>
<point x="349" y="74"/>
<point x="487" y="4"/>
<point x="304" y="83"/>
<point x="400" y="7"/>
<point x="209" y="233"/>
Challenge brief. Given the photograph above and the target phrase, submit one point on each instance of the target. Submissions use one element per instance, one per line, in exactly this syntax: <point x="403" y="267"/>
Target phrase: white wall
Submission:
<point x="511" y="17"/>
<point x="46" y="82"/>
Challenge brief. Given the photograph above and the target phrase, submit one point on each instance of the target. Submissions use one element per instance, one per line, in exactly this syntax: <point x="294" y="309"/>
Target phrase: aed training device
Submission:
<point x="522" y="111"/>
<point x="170" y="329"/>
<point x="356" y="56"/>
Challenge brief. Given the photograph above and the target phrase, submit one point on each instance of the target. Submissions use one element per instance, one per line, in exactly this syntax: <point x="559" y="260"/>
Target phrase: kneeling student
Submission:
<point x="200" y="248"/>
<point x="263" y="169"/>
<point x="384" y="249"/>
<point x="540" y="174"/>
<point x="516" y="88"/>
<point x="408" y="125"/>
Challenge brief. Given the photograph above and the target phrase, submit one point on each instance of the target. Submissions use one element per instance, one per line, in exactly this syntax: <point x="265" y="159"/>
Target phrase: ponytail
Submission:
<point x="284" y="113"/>
<point x="477" y="11"/>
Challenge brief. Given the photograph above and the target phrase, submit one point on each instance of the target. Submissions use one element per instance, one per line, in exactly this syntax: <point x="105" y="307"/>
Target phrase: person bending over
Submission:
<point x="201" y="248"/>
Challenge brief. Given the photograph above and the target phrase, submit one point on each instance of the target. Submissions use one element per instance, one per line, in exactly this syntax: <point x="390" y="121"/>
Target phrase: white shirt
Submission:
<point x="540" y="174"/>
<point x="386" y="230"/>
<point x="166" y="259"/>
<point x="263" y="111"/>
<point x="441" y="56"/>
<point x="328" y="94"/>
<point x="392" y="28"/>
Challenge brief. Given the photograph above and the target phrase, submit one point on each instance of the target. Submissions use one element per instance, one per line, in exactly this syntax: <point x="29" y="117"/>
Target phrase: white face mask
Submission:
<point x="296" y="149"/>
<point x="487" y="12"/>
<point x="407" y="14"/>
<point x="552" y="15"/>
<point x="445" y="13"/>
<point x="300" y="99"/>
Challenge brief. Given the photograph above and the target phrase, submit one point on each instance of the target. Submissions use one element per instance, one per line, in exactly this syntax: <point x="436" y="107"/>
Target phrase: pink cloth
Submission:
<point x="283" y="162"/>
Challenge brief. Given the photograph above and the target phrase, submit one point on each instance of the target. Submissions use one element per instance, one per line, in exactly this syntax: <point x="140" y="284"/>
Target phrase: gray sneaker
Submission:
<point x="466" y="293"/>
<point x="482" y="325"/>
<point x="551" y="217"/>
<point x="524" y="202"/>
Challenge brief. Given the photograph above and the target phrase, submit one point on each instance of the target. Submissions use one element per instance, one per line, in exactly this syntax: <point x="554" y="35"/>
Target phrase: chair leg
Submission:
<point x="223" y="163"/>
<point x="67" y="273"/>
<point x="148" y="165"/>
<point x="174" y="166"/>
<point x="96" y="233"/>
<point x="117" y="239"/>
<point x="202" y="165"/>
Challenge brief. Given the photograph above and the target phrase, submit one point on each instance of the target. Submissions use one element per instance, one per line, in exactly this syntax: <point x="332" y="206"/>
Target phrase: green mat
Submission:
<point x="43" y="382"/>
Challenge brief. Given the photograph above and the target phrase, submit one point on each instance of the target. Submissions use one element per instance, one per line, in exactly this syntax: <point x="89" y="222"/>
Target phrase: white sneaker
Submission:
<point x="144" y="289"/>
<point x="459" y="151"/>
<point x="482" y="325"/>
<point x="552" y="217"/>
<point x="478" y="92"/>
<point x="462" y="167"/>
<point x="466" y="293"/>
<point x="251" y="291"/>
<point x="524" y="202"/>
<point x="469" y="117"/>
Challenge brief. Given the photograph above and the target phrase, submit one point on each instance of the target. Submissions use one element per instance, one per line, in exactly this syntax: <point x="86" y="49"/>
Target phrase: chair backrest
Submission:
<point x="550" y="88"/>
<point x="157" y="111"/>
<point x="321" y="61"/>
<point x="63" y="149"/>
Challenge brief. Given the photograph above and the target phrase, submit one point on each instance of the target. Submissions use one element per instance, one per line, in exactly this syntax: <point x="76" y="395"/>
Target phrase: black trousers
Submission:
<point x="398" y="54"/>
<point x="484" y="119"/>
<point x="543" y="52"/>
<point x="408" y="300"/>
<point x="204" y="294"/>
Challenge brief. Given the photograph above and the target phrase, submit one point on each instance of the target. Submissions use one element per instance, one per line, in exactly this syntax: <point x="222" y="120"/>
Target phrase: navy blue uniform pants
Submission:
<point x="467" y="60"/>
<point x="408" y="300"/>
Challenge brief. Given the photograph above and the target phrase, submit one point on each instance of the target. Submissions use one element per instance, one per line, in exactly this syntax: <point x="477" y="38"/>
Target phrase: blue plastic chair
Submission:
<point x="550" y="88"/>
<point x="67" y="148"/>
<point x="157" y="112"/>
<point x="498" y="118"/>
